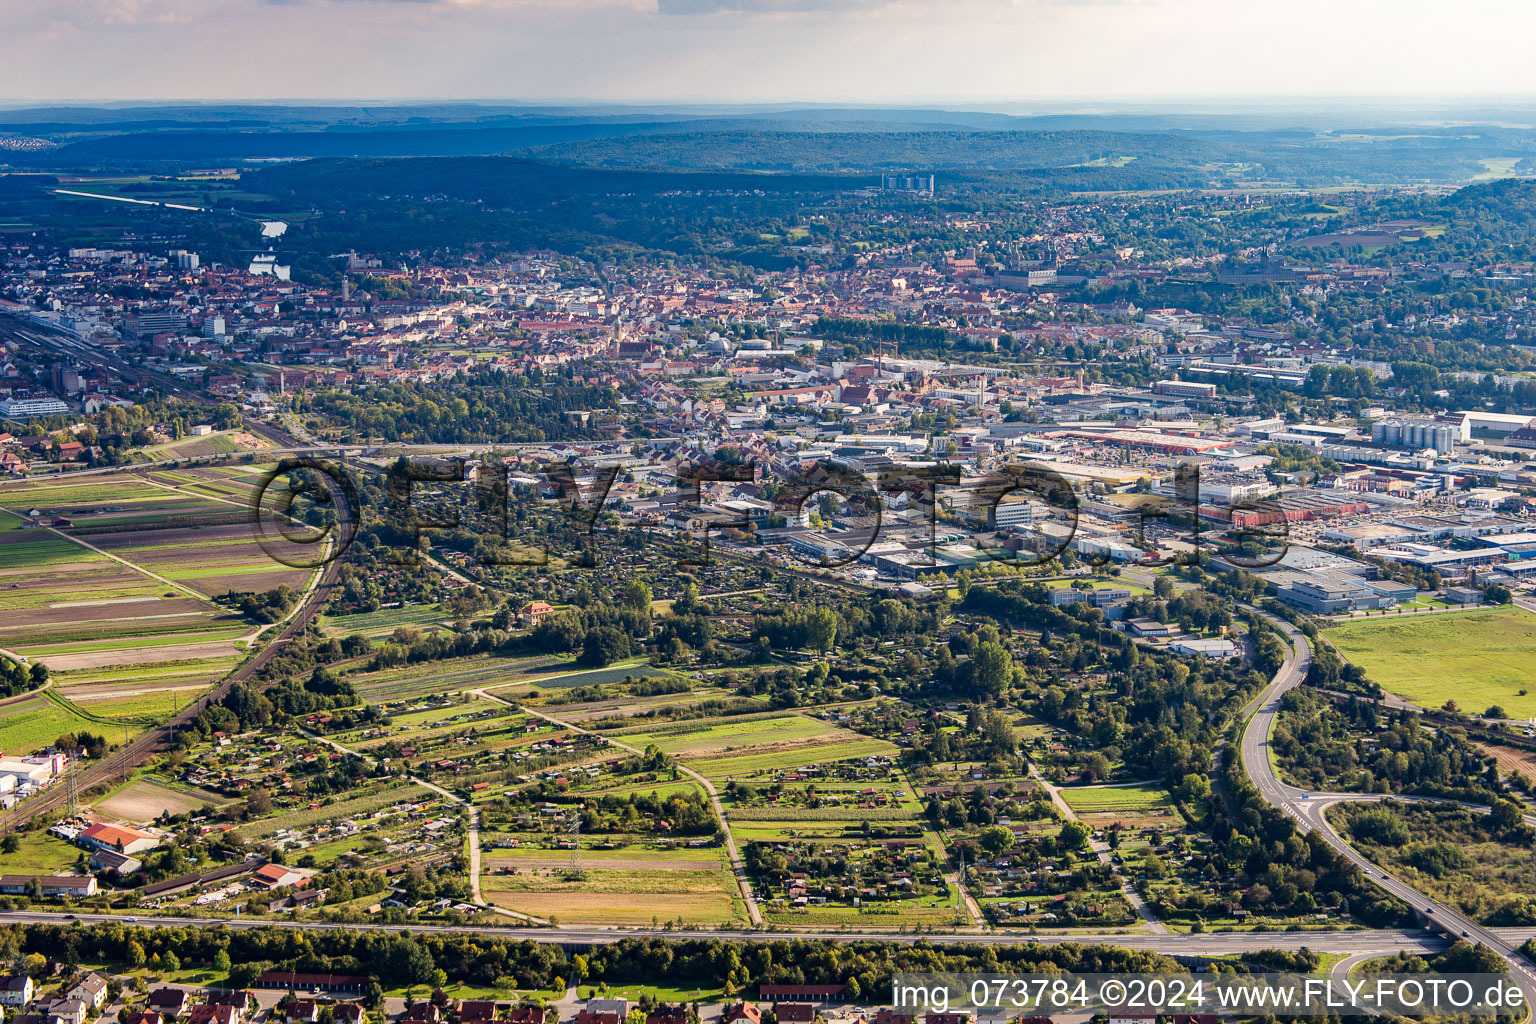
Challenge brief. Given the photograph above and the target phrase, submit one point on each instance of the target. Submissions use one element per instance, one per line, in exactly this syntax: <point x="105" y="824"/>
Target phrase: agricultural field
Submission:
<point x="1478" y="659"/>
<point x="747" y="745"/>
<point x="224" y="442"/>
<point x="491" y="672"/>
<point x="465" y="741"/>
<point x="35" y="721"/>
<point x="384" y="621"/>
<point x="146" y="798"/>
<point x="111" y="583"/>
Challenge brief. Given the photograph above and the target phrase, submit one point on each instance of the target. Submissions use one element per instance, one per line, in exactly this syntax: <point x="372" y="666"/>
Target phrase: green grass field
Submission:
<point x="1116" y="798"/>
<point x="1477" y="659"/>
<point x="41" y="854"/>
<point x="34" y="724"/>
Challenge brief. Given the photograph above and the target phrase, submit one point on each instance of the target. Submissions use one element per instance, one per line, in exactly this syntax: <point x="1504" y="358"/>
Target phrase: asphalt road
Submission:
<point x="1308" y="808"/>
<point x="1380" y="942"/>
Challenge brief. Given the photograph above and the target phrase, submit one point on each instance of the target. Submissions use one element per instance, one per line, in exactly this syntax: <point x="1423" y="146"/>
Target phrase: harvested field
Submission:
<point x="549" y="867"/>
<point x="619" y="908"/>
<point x="1511" y="759"/>
<point x="143" y="801"/>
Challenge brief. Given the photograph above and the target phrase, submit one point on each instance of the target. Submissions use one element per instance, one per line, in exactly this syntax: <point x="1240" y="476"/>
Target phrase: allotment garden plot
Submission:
<point x="588" y="832"/>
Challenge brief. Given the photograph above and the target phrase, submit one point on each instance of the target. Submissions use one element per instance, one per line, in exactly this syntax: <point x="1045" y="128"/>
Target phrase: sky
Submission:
<point x="930" y="52"/>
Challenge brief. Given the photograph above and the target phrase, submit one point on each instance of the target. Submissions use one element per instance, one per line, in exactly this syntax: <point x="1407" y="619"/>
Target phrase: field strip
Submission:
<point x="81" y="698"/>
<point x="110" y="600"/>
<point x="177" y="490"/>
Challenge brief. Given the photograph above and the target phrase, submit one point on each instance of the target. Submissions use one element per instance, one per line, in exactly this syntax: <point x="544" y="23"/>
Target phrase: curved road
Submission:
<point x="1308" y="810"/>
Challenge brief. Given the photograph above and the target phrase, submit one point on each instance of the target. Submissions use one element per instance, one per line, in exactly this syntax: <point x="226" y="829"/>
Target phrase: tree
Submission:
<point x="995" y="839"/>
<point x="637" y="595"/>
<point x="1073" y="835"/>
<point x="1506" y="815"/>
<point x="1380" y="826"/>
<point x="168" y="960"/>
<point x="991" y="668"/>
<point x="221" y="961"/>
<point x="136" y="958"/>
<point x="821" y="629"/>
<point x="603" y="645"/>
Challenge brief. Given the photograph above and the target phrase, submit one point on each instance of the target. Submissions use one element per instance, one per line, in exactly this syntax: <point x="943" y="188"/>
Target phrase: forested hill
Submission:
<point x="863" y="151"/>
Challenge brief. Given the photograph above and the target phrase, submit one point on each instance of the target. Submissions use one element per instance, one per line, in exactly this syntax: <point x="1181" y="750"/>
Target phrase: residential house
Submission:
<point x="15" y="990"/>
<point x="476" y="1011"/>
<point x="169" y="1002"/>
<point x="66" y="1011"/>
<point x="119" y="864"/>
<point x="601" y="1005"/>
<point x="742" y="1011"/>
<point x="90" y="990"/>
<point x="206" y="1013"/>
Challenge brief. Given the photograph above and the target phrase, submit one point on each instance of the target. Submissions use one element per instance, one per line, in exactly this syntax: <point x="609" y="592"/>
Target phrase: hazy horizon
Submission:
<point x="1031" y="53"/>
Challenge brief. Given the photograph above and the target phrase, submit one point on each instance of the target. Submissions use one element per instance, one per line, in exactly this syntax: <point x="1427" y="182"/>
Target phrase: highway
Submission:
<point x="1378" y="942"/>
<point x="1308" y="808"/>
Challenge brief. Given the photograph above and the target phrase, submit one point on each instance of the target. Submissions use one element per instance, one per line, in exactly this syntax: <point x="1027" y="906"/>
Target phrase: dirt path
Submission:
<point x="1102" y="851"/>
<point x="474" y="830"/>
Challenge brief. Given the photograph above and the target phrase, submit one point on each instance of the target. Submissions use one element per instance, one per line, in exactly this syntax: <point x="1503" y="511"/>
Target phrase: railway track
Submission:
<point x="142" y="748"/>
